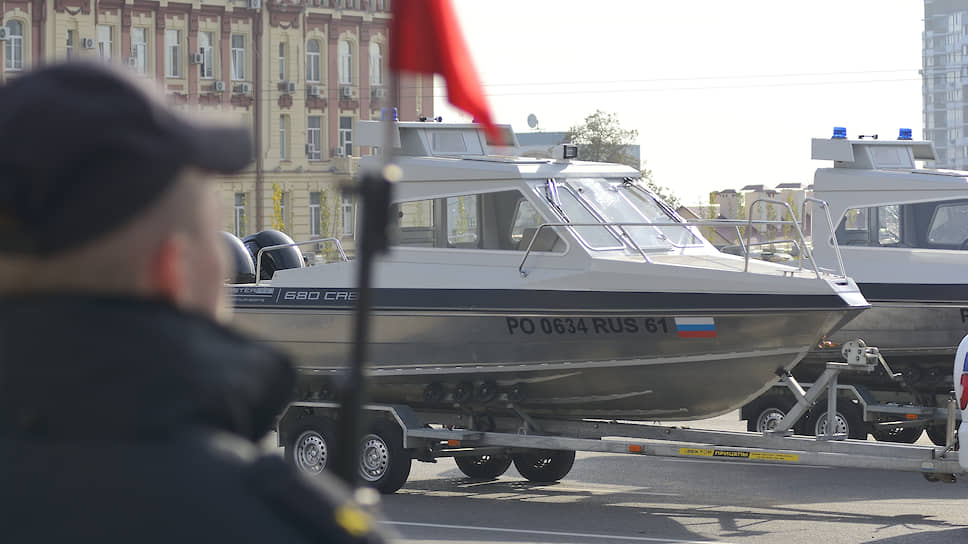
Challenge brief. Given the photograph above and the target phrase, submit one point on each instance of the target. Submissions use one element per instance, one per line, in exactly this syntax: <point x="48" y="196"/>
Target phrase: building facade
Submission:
<point x="944" y="77"/>
<point x="300" y="73"/>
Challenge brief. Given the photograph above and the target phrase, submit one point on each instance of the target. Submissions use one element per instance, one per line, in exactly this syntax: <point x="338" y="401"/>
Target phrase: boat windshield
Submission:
<point x="618" y="201"/>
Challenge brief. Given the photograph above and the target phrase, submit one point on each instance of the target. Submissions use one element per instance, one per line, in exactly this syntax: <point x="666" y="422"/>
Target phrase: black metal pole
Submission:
<point x="374" y="193"/>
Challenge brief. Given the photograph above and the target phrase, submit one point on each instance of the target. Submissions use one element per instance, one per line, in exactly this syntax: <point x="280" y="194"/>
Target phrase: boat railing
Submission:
<point x="258" y="257"/>
<point x="796" y="224"/>
<point x="736" y="223"/>
<point x="830" y="228"/>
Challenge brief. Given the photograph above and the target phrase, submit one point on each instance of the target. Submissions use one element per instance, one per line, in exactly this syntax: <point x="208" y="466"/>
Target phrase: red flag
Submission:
<point x="425" y="38"/>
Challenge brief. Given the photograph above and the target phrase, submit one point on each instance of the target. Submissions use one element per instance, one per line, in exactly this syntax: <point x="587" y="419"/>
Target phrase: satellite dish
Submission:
<point x="532" y="121"/>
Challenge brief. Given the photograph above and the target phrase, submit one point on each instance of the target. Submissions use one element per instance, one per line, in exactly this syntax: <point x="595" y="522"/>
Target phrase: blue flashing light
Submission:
<point x="840" y="133"/>
<point x="904" y="134"/>
<point x="383" y="114"/>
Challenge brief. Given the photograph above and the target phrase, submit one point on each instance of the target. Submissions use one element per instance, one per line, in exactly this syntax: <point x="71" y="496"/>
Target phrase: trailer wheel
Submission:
<point x="902" y="435"/>
<point x="309" y="445"/>
<point x="544" y="466"/>
<point x="848" y="420"/>
<point x="384" y="463"/>
<point x="483" y="467"/>
<point x="767" y="413"/>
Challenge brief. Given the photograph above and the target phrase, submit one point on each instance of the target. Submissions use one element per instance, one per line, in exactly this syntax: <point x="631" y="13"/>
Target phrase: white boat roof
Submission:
<point x="883" y="166"/>
<point x="447" y="152"/>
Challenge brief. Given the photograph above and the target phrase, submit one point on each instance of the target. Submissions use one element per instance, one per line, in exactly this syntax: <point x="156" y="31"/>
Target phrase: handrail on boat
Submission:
<point x="258" y="257"/>
<point x="796" y="224"/>
<point x="830" y="225"/>
<point x="691" y="224"/>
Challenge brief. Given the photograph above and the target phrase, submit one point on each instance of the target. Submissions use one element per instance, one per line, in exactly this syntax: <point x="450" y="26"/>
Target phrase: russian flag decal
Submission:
<point x="696" y="327"/>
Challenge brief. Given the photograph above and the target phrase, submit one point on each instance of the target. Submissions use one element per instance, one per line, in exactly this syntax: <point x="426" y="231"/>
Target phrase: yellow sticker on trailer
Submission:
<point x="734" y="454"/>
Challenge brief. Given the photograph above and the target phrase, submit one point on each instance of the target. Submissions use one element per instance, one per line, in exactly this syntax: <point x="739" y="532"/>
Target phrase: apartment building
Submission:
<point x="300" y="73"/>
<point x="944" y="77"/>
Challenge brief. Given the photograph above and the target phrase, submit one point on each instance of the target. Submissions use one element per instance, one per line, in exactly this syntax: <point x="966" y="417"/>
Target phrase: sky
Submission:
<point x="723" y="94"/>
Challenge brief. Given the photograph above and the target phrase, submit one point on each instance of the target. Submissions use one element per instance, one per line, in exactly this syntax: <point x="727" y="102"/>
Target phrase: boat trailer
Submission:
<point x="543" y="449"/>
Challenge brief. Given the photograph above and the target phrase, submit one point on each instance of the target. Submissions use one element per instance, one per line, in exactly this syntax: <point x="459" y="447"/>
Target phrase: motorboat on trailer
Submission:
<point x="902" y="235"/>
<point x="546" y="287"/>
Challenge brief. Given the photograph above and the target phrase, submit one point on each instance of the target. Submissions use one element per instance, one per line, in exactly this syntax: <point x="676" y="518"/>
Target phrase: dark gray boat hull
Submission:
<point x="918" y="340"/>
<point x="612" y="363"/>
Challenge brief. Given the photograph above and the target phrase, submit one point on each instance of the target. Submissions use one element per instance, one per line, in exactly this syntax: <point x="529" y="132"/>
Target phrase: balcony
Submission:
<point x="346" y="165"/>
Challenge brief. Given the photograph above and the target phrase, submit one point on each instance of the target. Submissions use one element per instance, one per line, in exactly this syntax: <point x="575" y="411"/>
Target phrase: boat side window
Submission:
<point x="853" y="229"/>
<point x="889" y="225"/>
<point x="462" y="222"/>
<point x="930" y="225"/>
<point x="874" y="226"/>
<point x="414" y="224"/>
<point x="500" y="220"/>
<point x="949" y="226"/>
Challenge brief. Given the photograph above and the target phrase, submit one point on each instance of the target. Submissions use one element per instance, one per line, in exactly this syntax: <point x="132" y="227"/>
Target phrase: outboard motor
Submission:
<point x="274" y="259"/>
<point x="243" y="268"/>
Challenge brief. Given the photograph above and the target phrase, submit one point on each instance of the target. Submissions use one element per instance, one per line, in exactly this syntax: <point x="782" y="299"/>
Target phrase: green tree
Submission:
<point x="664" y="193"/>
<point x="278" y="221"/>
<point x="600" y="137"/>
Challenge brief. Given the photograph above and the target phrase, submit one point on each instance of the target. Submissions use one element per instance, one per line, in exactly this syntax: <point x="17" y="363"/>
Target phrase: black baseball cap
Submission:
<point x="86" y="146"/>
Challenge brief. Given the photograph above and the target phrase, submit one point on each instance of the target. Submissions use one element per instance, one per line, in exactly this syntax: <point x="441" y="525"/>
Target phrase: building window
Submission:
<point x="282" y="137"/>
<point x="348" y="215"/>
<point x="239" y="212"/>
<point x="315" y="215"/>
<point x="70" y="44"/>
<point x="15" y="46"/>
<point x="376" y="64"/>
<point x="206" y="46"/>
<point x="312" y="60"/>
<point x="139" y="49"/>
<point x="282" y="61"/>
<point x="314" y="138"/>
<point x="238" y="57"/>
<point x="104" y="41"/>
<point x="346" y="135"/>
<point x="345" y="66"/>
<point x="172" y="54"/>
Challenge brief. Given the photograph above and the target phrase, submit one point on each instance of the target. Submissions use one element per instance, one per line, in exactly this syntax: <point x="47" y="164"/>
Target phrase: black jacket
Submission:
<point x="129" y="421"/>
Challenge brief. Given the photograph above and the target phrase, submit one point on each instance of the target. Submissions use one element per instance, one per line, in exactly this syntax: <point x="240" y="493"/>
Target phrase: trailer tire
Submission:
<point x="900" y="435"/>
<point x="309" y="445"/>
<point x="384" y="463"/>
<point x="483" y="467"/>
<point x="544" y="466"/>
<point x="849" y="420"/>
<point x="767" y="412"/>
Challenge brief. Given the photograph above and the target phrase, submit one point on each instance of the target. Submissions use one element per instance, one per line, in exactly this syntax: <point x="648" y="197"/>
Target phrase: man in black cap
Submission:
<point x="127" y="414"/>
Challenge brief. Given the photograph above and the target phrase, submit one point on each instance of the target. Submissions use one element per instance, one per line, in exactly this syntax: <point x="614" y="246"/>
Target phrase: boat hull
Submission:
<point x="649" y="365"/>
<point x="917" y="339"/>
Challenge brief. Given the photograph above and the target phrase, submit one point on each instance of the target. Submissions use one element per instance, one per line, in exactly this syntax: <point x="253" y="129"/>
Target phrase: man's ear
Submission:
<point x="167" y="274"/>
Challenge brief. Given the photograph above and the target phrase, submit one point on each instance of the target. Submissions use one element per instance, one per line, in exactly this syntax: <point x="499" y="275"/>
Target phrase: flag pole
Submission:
<point x="374" y="192"/>
<point x="424" y="39"/>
